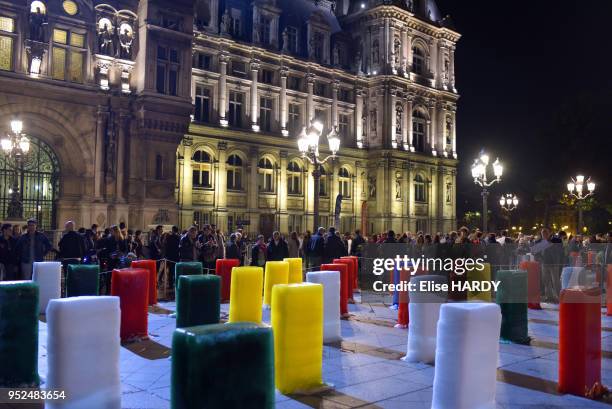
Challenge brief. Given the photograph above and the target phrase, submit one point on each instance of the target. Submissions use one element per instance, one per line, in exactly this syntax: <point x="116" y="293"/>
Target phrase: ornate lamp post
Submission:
<point x="16" y="146"/>
<point x="509" y="202"/>
<point x="576" y="189"/>
<point x="479" y="173"/>
<point x="308" y="144"/>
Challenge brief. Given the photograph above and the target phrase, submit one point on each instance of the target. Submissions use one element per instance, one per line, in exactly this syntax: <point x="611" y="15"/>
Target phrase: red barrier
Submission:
<point x="579" y="340"/>
<point x="131" y="285"/>
<point x="223" y="268"/>
<point x="351" y="272"/>
<point x="609" y="291"/>
<point x="355" y="282"/>
<point x="151" y="267"/>
<point x="404" y="300"/>
<point x="344" y="276"/>
<point x="534" y="272"/>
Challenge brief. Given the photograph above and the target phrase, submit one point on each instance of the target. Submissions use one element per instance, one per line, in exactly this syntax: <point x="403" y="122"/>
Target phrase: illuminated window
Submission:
<point x="265" y="114"/>
<point x="202" y="170"/>
<point x="70" y="7"/>
<point x="418" y="60"/>
<point x="68" y="55"/>
<point x="419" y="124"/>
<point x="202" y="104"/>
<point x="420" y="194"/>
<point x="234" y="173"/>
<point x="266" y="175"/>
<point x="294" y="118"/>
<point x="60" y="36"/>
<point x="7" y="26"/>
<point x="235" y="109"/>
<point x="344" y="180"/>
<point x="343" y="125"/>
<point x="294" y="178"/>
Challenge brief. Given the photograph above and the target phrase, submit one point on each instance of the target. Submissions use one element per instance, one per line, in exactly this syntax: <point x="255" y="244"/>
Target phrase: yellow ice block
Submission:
<point x="277" y="272"/>
<point x="295" y="269"/>
<point x="245" y="294"/>
<point x="297" y="323"/>
<point x="479" y="276"/>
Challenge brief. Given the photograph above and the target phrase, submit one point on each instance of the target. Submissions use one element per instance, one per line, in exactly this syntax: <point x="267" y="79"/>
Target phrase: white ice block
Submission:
<point x="570" y="277"/>
<point x="466" y="356"/>
<point x="424" y="310"/>
<point x="331" y="302"/>
<point x="48" y="275"/>
<point x="83" y="346"/>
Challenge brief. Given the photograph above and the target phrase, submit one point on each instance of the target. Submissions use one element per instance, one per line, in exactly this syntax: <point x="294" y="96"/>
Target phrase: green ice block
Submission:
<point x="82" y="279"/>
<point x="18" y="334"/>
<point x="198" y="300"/>
<point x="512" y="299"/>
<point x="187" y="268"/>
<point x="223" y="366"/>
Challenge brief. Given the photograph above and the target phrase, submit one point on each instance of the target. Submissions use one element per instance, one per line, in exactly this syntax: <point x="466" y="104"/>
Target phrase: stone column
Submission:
<point x="254" y="96"/>
<point x="433" y="52"/>
<point x="334" y="108"/>
<point x="391" y="53"/>
<point x="404" y="51"/>
<point x="442" y="74"/>
<point x="284" y="71"/>
<point x="392" y="111"/>
<point x="411" y="210"/>
<point x="252" y="189"/>
<point x="454" y="131"/>
<point x="186" y="188"/>
<point x="223" y="60"/>
<point x="282" y="194"/>
<point x="221" y="186"/>
<point x="310" y="80"/>
<point x="451" y="66"/>
<point x="101" y="124"/>
<point x="408" y="116"/>
<point x="441" y="128"/>
<point x="409" y="50"/>
<point x="124" y="121"/>
<point x="431" y="125"/>
<point x="358" y="117"/>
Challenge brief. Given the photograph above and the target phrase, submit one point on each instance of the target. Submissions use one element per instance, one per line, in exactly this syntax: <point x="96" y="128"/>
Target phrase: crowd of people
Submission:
<point x="115" y="246"/>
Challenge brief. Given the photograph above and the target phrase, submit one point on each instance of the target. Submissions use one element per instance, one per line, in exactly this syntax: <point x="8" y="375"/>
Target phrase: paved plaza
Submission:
<point x="365" y="369"/>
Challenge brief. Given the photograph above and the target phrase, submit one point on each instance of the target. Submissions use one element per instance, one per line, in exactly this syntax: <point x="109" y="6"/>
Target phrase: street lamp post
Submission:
<point x="509" y="202"/>
<point x="308" y="144"/>
<point x="576" y="189"/>
<point x="479" y="173"/>
<point x="16" y="146"/>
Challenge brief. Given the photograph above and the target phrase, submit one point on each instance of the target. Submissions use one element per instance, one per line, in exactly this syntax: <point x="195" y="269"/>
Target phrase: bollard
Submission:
<point x="403" y="317"/>
<point x="512" y="299"/>
<point x="131" y="285"/>
<point x="246" y="300"/>
<point x="355" y="281"/>
<point x="83" y="352"/>
<point x="277" y="272"/>
<point x="350" y="267"/>
<point x="295" y="269"/>
<point x="343" y="270"/>
<point x="534" y="274"/>
<point x="297" y="322"/>
<point x="82" y="279"/>
<point x="48" y="275"/>
<point x="579" y="340"/>
<point x="331" y="302"/>
<point x="466" y="356"/>
<point x="198" y="300"/>
<point x="223" y="366"/>
<point x="479" y="275"/>
<point x="223" y="268"/>
<point x="19" y="334"/>
<point x="151" y="267"/>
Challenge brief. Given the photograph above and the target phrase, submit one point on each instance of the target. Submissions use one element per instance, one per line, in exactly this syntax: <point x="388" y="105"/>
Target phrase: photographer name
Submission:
<point x="432" y="286"/>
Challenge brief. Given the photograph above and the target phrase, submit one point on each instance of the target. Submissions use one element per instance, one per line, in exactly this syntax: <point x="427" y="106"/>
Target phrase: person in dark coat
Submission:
<point x="72" y="244"/>
<point x="171" y="245"/>
<point x="277" y="248"/>
<point x="188" y="245"/>
<point x="231" y="248"/>
<point x="259" y="252"/>
<point x="333" y="246"/>
<point x="32" y="246"/>
<point x="8" y="256"/>
<point x="316" y="246"/>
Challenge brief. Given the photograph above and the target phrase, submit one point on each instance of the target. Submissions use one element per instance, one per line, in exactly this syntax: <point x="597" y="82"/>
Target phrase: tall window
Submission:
<point x="203" y="61"/>
<point x="344" y="179"/>
<point x="202" y="104"/>
<point x="167" y="70"/>
<point x="264" y="27"/>
<point x="294" y="178"/>
<point x="343" y="125"/>
<point x="235" y="109"/>
<point x="294" y="118"/>
<point x="323" y="191"/>
<point x="265" y="114"/>
<point x="266" y="175"/>
<point x="292" y="39"/>
<point x="202" y="169"/>
<point x="418" y="60"/>
<point x="68" y="55"/>
<point x="419" y="124"/>
<point x="420" y="193"/>
<point x="295" y="222"/>
<point x="319" y="41"/>
<point x="234" y="173"/>
<point x="7" y="29"/>
<point x="236" y="26"/>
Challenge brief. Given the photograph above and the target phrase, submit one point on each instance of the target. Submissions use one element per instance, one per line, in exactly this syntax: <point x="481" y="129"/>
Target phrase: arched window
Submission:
<point x="202" y="169"/>
<point x="420" y="193"/>
<point x="375" y="52"/>
<point x="294" y="178"/>
<point x="323" y="191"/>
<point x="419" y="130"/>
<point x="418" y="60"/>
<point x="266" y="175"/>
<point x="344" y="179"/>
<point x="234" y="173"/>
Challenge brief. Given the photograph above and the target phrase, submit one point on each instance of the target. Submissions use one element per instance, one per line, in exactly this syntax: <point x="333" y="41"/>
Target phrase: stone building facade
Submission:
<point x="182" y="113"/>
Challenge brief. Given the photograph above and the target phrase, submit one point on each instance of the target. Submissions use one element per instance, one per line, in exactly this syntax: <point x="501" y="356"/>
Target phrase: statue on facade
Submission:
<point x="125" y="42"/>
<point x="38" y="22"/>
<point x="226" y="23"/>
<point x="285" y="36"/>
<point x="311" y="47"/>
<point x="396" y="50"/>
<point x="256" y="33"/>
<point x="105" y="40"/>
<point x="398" y="188"/>
<point x="336" y="55"/>
<point x="373" y="121"/>
<point x="110" y="148"/>
<point x="372" y="186"/>
<point x="398" y="120"/>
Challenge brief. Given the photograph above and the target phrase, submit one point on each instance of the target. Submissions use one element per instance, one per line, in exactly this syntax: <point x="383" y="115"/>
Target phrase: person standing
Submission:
<point x="315" y="249"/>
<point x="232" y="251"/>
<point x="277" y="248"/>
<point x="258" y="252"/>
<point x="293" y="245"/>
<point x="8" y="255"/>
<point x="333" y="247"/>
<point x="155" y="245"/>
<point x="188" y="245"/>
<point x="208" y="248"/>
<point x="31" y="247"/>
<point x="72" y="244"/>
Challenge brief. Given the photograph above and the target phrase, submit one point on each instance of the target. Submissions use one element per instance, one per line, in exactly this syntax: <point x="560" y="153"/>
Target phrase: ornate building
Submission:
<point x="107" y="90"/>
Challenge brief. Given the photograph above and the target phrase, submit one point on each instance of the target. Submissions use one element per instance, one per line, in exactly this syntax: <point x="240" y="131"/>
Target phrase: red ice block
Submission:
<point x="224" y="270"/>
<point x="609" y="290"/>
<point x="579" y="340"/>
<point x="351" y="271"/>
<point x="131" y="285"/>
<point x="534" y="271"/>
<point x="151" y="267"/>
<point x="355" y="282"/>
<point x="343" y="269"/>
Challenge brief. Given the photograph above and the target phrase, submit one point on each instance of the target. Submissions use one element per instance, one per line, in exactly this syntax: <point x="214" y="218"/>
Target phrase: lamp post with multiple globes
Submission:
<point x="576" y="189"/>
<point x="509" y="202"/>
<point x="308" y="144"/>
<point x="479" y="173"/>
<point x="16" y="146"/>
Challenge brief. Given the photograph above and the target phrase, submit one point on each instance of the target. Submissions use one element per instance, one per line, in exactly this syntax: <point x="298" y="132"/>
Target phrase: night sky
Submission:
<point x="535" y="79"/>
